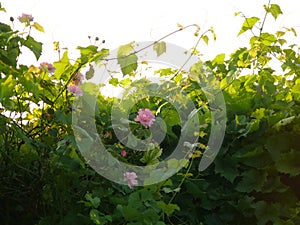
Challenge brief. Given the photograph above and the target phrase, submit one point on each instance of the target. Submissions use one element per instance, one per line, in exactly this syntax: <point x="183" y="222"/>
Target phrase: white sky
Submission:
<point x="119" y="22"/>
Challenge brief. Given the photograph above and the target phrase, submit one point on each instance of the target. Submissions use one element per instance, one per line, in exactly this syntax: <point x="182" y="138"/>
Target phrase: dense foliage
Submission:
<point x="255" y="178"/>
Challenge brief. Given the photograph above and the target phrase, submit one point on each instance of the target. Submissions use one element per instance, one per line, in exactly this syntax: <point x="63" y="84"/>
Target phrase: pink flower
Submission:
<point x="48" y="66"/>
<point x="145" y="117"/>
<point x="75" y="90"/>
<point x="123" y="153"/>
<point x="107" y="134"/>
<point x="25" y="18"/>
<point x="130" y="177"/>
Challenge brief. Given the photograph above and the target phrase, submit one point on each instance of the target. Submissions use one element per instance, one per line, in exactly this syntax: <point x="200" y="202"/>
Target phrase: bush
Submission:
<point x="254" y="179"/>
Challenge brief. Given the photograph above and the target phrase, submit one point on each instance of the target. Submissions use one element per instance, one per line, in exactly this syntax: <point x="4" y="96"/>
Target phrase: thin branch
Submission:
<point x="149" y="45"/>
<point x="264" y="20"/>
<point x="197" y="43"/>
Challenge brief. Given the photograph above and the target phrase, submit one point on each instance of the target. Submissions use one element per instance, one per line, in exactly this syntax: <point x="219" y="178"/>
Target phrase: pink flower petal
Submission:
<point x="123" y="153"/>
<point x="145" y="117"/>
<point x="130" y="177"/>
<point x="75" y="90"/>
<point x="48" y="66"/>
<point x="25" y="18"/>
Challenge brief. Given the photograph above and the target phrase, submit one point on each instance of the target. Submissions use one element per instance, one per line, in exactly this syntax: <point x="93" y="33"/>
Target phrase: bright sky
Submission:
<point x="119" y="22"/>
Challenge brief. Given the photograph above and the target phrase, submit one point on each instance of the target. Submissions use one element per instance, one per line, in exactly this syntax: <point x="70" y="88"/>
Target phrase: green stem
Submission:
<point x="182" y="180"/>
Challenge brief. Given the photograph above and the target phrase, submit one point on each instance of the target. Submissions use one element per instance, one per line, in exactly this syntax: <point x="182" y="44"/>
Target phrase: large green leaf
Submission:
<point x="128" y="63"/>
<point x="267" y="39"/>
<point x="127" y="59"/>
<point x="87" y="52"/>
<point x="227" y="167"/>
<point x="33" y="45"/>
<point x="62" y="66"/>
<point x="274" y="9"/>
<point x="289" y="163"/>
<point x="252" y="180"/>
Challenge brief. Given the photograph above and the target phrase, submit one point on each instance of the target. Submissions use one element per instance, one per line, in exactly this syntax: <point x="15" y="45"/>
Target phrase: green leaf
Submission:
<point x="90" y="73"/>
<point x="149" y="216"/>
<point x="289" y="163"/>
<point x="165" y="72"/>
<point x="259" y="113"/>
<point x="135" y="200"/>
<point x="248" y="24"/>
<point x="275" y="10"/>
<point x="252" y="180"/>
<point x="205" y="39"/>
<point x="168" y="208"/>
<point x="87" y="52"/>
<point x="227" y="168"/>
<point x="126" y="58"/>
<point x="99" y="56"/>
<point x="177" y="163"/>
<point x="2" y="9"/>
<point x="95" y="202"/>
<point x="33" y="45"/>
<point x="237" y="13"/>
<point x="267" y="39"/>
<point x="38" y="27"/>
<point x="169" y="190"/>
<point x="160" y="47"/>
<point x="125" y="49"/>
<point x="125" y="82"/>
<point x="128" y="212"/>
<point x="61" y="66"/>
<point x="114" y="81"/>
<point x="296" y="88"/>
<point x="128" y="63"/>
<point x="219" y="59"/>
<point x="266" y="213"/>
<point x="7" y="87"/>
<point x="62" y="117"/>
<point x="91" y="88"/>
<point x="95" y="216"/>
<point x="151" y="156"/>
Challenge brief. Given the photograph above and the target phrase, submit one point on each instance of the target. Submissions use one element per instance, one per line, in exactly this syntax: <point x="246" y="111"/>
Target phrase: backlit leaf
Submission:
<point x="7" y="87"/>
<point x="159" y="47"/>
<point x="33" y="45"/>
<point x="219" y="59"/>
<point x="62" y="65"/>
<point x="248" y="24"/>
<point x="205" y="39"/>
<point x="38" y="27"/>
<point x="125" y="49"/>
<point x="275" y="10"/>
<point x="127" y="59"/>
<point x="114" y="81"/>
